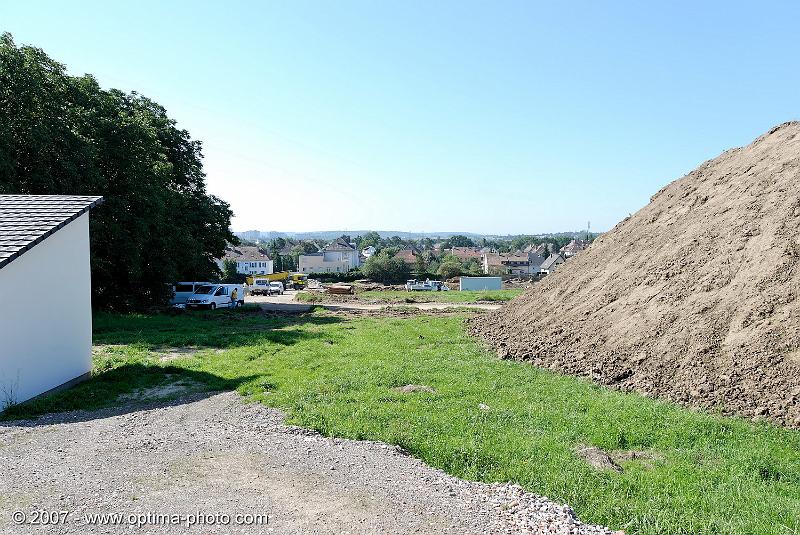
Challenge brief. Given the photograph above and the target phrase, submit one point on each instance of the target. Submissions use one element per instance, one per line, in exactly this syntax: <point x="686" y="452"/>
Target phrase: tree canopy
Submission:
<point x="62" y="134"/>
<point x="383" y="267"/>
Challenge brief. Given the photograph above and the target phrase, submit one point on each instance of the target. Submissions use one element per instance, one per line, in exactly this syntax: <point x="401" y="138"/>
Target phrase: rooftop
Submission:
<point x="245" y="253"/>
<point x="26" y="220"/>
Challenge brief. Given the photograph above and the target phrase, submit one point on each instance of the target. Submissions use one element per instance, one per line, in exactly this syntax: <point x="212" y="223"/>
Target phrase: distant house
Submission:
<point x="409" y="256"/>
<point x="287" y="249"/>
<point x="552" y="262"/>
<point x="249" y="260"/>
<point x="539" y="250"/>
<point x="466" y="253"/>
<point x="574" y="247"/>
<point x="45" y="281"/>
<point x="368" y="251"/>
<point x="535" y="262"/>
<point x="339" y="256"/>
<point x="517" y="264"/>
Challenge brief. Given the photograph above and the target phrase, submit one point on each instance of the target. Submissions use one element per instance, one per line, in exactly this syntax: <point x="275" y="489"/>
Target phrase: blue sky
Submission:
<point x="492" y="117"/>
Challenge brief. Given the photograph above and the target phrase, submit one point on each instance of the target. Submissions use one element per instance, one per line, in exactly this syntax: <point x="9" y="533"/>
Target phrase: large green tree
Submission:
<point x="383" y="267"/>
<point x="62" y="134"/>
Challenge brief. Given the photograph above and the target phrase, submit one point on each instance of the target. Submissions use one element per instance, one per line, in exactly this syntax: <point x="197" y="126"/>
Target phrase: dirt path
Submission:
<point x="214" y="456"/>
<point x="286" y="303"/>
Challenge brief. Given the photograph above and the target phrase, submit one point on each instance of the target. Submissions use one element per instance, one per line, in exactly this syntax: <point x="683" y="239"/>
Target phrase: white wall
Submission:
<point x="246" y="269"/>
<point x="317" y="264"/>
<point x="46" y="314"/>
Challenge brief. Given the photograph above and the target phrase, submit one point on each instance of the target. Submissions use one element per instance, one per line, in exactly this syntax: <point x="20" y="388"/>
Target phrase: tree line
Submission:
<point x="62" y="134"/>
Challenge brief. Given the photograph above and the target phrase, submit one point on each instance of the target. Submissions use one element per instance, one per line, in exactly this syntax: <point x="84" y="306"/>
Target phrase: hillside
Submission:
<point x="693" y="298"/>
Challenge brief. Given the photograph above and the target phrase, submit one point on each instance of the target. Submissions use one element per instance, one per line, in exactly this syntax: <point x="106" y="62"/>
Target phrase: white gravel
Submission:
<point x="214" y="456"/>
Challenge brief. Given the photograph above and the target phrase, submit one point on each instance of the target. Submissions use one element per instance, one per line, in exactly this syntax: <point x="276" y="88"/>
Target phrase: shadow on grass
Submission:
<point x="218" y="329"/>
<point x="127" y="388"/>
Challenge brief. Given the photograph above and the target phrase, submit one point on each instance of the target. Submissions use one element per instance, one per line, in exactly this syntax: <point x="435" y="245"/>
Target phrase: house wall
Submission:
<point x="317" y="264"/>
<point x="46" y="317"/>
<point x="255" y="267"/>
<point x="351" y="258"/>
<point x="329" y="262"/>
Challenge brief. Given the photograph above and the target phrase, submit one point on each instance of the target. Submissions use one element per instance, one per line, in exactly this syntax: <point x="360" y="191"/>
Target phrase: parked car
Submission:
<point x="261" y="286"/>
<point x="415" y="285"/>
<point x="213" y="296"/>
<point x="181" y="291"/>
<point x="276" y="287"/>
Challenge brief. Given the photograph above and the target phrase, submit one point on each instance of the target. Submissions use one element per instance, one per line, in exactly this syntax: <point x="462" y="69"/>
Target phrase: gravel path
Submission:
<point x="209" y="456"/>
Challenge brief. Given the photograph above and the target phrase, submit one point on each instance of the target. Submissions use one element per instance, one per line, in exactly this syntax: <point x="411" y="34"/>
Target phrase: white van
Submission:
<point x="181" y="291"/>
<point x="260" y="287"/>
<point x="213" y="296"/>
<point x="276" y="287"/>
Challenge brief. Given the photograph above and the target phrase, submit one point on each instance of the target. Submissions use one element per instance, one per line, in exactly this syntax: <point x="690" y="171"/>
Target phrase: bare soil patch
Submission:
<point x="410" y="389"/>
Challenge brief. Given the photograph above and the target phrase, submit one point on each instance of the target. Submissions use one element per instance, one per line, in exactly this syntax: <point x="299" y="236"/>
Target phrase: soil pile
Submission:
<point x="693" y="298"/>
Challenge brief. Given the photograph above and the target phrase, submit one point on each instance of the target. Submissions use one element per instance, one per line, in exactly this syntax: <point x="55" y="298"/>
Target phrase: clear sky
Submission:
<point x="491" y="117"/>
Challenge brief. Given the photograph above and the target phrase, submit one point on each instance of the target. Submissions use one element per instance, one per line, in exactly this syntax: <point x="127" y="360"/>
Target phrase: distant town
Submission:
<point x="444" y="256"/>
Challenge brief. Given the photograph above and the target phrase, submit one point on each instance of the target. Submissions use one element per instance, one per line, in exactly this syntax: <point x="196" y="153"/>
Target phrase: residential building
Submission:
<point x="339" y="256"/>
<point x="409" y="256"/>
<point x="535" y="262"/>
<point x="541" y="250"/>
<point x="249" y="260"/>
<point x="517" y="264"/>
<point x="552" y="262"/>
<point x="574" y="247"/>
<point x="46" y="323"/>
<point x="466" y="253"/>
<point x="368" y="251"/>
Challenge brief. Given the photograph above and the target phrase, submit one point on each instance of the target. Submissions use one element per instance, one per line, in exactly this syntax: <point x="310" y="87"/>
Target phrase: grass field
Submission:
<point x="701" y="473"/>
<point x="399" y="296"/>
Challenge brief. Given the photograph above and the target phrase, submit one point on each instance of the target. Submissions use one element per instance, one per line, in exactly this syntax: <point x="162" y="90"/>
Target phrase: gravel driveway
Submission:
<point x="209" y="456"/>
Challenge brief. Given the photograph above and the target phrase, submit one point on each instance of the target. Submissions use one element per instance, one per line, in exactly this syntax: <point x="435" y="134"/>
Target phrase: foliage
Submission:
<point x="472" y="267"/>
<point x="449" y="269"/>
<point x="371" y="238"/>
<point x="229" y="272"/>
<point x="421" y="264"/>
<point x="458" y="241"/>
<point x="489" y="420"/>
<point x="279" y="262"/>
<point x="61" y="134"/>
<point x="383" y="267"/>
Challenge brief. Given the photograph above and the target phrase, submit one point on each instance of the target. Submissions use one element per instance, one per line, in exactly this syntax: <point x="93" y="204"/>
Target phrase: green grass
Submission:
<point x="708" y="474"/>
<point x="399" y="296"/>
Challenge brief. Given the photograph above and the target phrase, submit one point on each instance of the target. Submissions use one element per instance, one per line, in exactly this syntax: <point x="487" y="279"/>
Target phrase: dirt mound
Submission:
<point x="693" y="298"/>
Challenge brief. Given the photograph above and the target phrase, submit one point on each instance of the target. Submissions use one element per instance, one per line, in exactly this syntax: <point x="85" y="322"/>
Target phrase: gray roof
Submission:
<point x="245" y="253"/>
<point x="26" y="220"/>
<point x="339" y="245"/>
<point x="552" y="259"/>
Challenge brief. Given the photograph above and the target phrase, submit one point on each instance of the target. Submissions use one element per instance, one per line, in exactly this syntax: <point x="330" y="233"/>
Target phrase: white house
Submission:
<point x="368" y="251"/>
<point x="339" y="256"/>
<point x="45" y="285"/>
<point x="249" y="260"/>
<point x="552" y="262"/>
